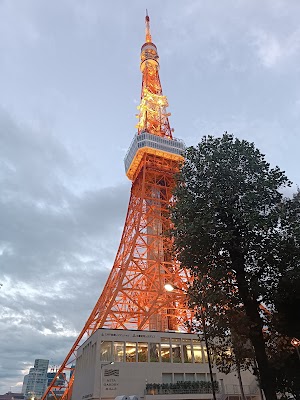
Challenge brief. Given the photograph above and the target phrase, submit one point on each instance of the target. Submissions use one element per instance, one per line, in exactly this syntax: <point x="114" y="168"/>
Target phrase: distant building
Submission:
<point x="36" y="380"/>
<point x="25" y="380"/>
<point x="12" y="396"/>
<point x="72" y="370"/>
<point x="59" y="382"/>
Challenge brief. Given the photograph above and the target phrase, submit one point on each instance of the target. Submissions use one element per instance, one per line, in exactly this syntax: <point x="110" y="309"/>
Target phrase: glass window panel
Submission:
<point x="143" y="352"/>
<point x="166" y="378"/>
<point x="178" y="377"/>
<point x="106" y="351"/>
<point x="197" y="349"/>
<point x="205" y="354"/>
<point x="131" y="352"/>
<point x="154" y="352"/>
<point x="165" y="349"/>
<point x="176" y="351"/>
<point x="201" y="377"/>
<point x="118" y="351"/>
<point x="165" y="352"/>
<point x="187" y="350"/>
<point x="190" y="377"/>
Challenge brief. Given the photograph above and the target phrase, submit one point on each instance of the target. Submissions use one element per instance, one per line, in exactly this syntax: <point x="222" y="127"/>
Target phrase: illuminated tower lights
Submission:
<point x="134" y="296"/>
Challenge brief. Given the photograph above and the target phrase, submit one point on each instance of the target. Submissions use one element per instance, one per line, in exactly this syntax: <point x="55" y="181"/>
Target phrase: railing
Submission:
<point x="178" y="391"/>
<point x="181" y="387"/>
<point x="229" y="390"/>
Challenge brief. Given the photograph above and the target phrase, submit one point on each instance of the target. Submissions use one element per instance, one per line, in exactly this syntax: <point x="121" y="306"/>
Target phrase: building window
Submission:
<point x="165" y="350"/>
<point x="197" y="348"/>
<point x="201" y="377"/>
<point x="119" y="351"/>
<point x="205" y="354"/>
<point x="142" y="352"/>
<point x="189" y="377"/>
<point x="178" y="378"/>
<point x="130" y="352"/>
<point x="176" y="351"/>
<point x="166" y="378"/>
<point x="154" y="352"/>
<point x="106" y="351"/>
<point x="187" y="350"/>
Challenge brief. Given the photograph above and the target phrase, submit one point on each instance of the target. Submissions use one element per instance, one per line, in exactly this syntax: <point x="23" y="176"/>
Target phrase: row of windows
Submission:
<point x="148" y="140"/>
<point x="187" y="351"/>
<point x="186" y="377"/>
<point x="160" y="146"/>
<point x="172" y="142"/>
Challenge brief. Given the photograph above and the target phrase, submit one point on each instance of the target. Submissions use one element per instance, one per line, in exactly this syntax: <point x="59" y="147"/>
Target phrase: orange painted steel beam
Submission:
<point x="134" y="296"/>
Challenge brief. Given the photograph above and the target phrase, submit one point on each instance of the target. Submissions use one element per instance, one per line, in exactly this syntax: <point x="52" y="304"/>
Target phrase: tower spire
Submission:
<point x="148" y="34"/>
<point x="153" y="115"/>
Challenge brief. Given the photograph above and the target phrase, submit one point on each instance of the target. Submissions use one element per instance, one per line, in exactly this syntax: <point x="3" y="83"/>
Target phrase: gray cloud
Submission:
<point x="56" y="247"/>
<point x="69" y="74"/>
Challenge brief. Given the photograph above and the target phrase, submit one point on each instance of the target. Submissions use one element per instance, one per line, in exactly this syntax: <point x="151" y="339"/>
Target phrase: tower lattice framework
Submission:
<point x="134" y="296"/>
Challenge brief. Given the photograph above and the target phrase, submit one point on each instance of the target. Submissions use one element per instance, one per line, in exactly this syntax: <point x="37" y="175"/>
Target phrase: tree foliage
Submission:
<point x="286" y="296"/>
<point x="240" y="240"/>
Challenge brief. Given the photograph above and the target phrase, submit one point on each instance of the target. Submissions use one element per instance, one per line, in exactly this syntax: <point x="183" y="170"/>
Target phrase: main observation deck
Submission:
<point x="172" y="149"/>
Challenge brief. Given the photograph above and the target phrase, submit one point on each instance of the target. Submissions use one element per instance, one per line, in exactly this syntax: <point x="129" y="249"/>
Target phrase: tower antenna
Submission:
<point x="133" y="296"/>
<point x="148" y="34"/>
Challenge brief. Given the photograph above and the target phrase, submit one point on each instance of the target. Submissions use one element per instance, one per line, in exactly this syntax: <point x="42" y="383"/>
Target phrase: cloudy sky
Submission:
<point x="69" y="87"/>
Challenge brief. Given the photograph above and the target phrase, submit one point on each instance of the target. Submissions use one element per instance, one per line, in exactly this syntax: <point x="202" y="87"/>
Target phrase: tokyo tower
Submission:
<point x="134" y="296"/>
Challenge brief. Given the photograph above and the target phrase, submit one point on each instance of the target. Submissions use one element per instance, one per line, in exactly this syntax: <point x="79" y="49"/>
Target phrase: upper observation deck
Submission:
<point x="172" y="149"/>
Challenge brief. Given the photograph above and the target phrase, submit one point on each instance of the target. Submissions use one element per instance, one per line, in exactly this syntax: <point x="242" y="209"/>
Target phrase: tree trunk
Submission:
<point x="255" y="325"/>
<point x="238" y="370"/>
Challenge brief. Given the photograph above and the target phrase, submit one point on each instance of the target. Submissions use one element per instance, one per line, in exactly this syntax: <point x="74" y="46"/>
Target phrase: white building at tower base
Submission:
<point x="115" y="363"/>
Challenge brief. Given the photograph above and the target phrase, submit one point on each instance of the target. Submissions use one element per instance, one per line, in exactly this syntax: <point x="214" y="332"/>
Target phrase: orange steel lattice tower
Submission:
<point x="134" y="296"/>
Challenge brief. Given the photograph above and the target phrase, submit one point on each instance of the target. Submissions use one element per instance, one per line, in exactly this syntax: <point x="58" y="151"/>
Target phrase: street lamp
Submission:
<point x="101" y="366"/>
<point x="296" y="343"/>
<point x="169" y="288"/>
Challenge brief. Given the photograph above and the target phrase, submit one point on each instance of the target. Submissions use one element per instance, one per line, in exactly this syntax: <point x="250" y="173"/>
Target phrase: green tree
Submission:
<point x="229" y="217"/>
<point x="286" y="297"/>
